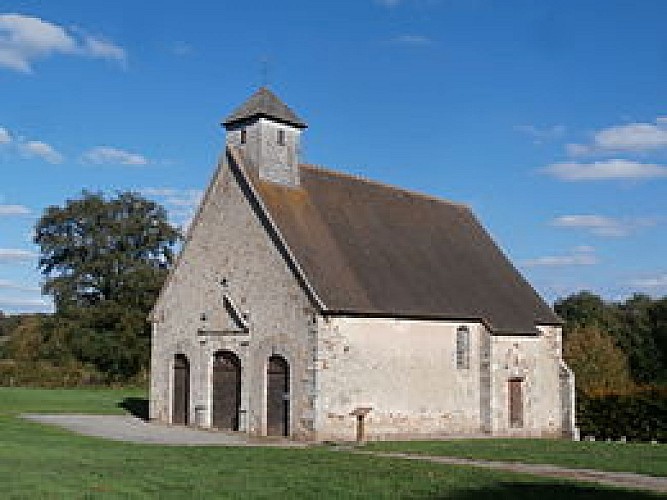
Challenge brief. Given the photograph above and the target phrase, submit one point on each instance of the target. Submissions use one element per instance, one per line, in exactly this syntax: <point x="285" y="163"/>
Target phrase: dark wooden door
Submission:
<point x="226" y="390"/>
<point x="181" y="402"/>
<point x="277" y="397"/>
<point x="516" y="402"/>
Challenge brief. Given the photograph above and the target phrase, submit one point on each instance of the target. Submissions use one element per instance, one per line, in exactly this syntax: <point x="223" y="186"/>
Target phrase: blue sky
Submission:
<point x="547" y="117"/>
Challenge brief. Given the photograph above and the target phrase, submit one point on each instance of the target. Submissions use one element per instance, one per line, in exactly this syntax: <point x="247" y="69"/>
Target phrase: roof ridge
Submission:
<point x="385" y="185"/>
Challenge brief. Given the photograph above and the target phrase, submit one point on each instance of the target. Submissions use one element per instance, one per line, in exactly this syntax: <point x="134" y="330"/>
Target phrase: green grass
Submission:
<point x="41" y="461"/>
<point x="642" y="458"/>
<point x="15" y="400"/>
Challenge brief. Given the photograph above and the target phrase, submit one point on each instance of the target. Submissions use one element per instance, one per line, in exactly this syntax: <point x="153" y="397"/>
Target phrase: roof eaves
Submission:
<point x="249" y="118"/>
<point x="427" y="317"/>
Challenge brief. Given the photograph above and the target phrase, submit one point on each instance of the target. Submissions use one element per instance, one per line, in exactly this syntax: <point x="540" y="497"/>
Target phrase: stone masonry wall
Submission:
<point x="230" y="252"/>
<point x="274" y="162"/>
<point x="536" y="361"/>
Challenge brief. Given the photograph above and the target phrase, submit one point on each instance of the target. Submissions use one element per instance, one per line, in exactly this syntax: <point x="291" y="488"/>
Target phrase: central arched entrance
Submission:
<point x="226" y="390"/>
<point x="181" y="397"/>
<point x="277" y="397"/>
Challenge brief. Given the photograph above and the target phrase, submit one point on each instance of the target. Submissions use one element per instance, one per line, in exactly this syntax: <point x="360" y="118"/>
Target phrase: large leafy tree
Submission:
<point x="599" y="365"/>
<point x="97" y="249"/>
<point x="104" y="260"/>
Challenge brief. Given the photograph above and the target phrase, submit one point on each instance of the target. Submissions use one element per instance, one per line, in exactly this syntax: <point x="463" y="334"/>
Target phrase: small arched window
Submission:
<point x="462" y="347"/>
<point x="281" y="137"/>
<point x="243" y="136"/>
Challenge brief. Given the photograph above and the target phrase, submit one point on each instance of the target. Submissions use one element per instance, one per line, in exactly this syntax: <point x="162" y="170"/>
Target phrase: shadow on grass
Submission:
<point x="548" y="491"/>
<point x="137" y="407"/>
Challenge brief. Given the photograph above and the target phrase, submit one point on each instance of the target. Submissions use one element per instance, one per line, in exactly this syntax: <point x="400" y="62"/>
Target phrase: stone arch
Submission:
<point x="226" y="391"/>
<point x="277" y="396"/>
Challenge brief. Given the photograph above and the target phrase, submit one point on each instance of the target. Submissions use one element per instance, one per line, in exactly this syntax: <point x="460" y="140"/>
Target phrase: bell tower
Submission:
<point x="268" y="133"/>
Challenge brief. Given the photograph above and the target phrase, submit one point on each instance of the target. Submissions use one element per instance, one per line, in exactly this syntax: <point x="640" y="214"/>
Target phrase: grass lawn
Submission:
<point x="642" y="458"/>
<point x="39" y="461"/>
<point x="15" y="400"/>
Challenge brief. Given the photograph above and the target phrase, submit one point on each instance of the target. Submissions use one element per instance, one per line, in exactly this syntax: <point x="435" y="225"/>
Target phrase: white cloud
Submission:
<point x="615" y="169"/>
<point x="103" y="49"/>
<point x="540" y="135"/>
<point x="414" y="40"/>
<point x="28" y="304"/>
<point x="181" y="204"/>
<point x="5" y="136"/>
<point x="160" y="191"/>
<point x="39" y="149"/>
<point x="601" y="225"/>
<point x="9" y="210"/>
<point x="659" y="281"/>
<point x="579" y="256"/>
<point x="633" y="137"/>
<point x="26" y="39"/>
<point x="10" y="285"/>
<point x="106" y="154"/>
<point x="16" y="255"/>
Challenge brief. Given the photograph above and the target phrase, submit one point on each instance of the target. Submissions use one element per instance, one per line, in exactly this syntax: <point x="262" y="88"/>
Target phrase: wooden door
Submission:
<point x="516" y="402"/>
<point x="181" y="396"/>
<point x="277" y="397"/>
<point x="226" y="390"/>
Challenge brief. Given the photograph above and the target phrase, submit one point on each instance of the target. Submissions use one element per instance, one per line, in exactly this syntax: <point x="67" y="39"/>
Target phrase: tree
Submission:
<point x="600" y="367"/>
<point x="96" y="249"/>
<point x="635" y="334"/>
<point x="658" y="315"/>
<point x="104" y="261"/>
<point x="634" y="325"/>
<point x="581" y="309"/>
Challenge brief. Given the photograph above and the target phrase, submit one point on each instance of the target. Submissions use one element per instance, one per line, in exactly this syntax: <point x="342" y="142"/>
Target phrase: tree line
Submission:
<point x="614" y="346"/>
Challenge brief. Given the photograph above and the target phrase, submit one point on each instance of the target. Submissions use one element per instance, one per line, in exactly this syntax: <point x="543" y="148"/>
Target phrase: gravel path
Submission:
<point x="622" y="479"/>
<point x="128" y="428"/>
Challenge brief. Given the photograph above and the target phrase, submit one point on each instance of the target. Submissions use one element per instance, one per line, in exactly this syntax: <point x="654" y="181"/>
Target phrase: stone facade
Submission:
<point x="237" y="289"/>
<point x="229" y="251"/>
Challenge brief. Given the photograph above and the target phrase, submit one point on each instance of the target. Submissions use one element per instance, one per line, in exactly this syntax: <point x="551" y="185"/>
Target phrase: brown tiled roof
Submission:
<point x="264" y="103"/>
<point x="370" y="249"/>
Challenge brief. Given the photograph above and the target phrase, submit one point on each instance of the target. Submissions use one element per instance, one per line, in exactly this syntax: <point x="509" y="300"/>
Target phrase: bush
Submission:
<point x="639" y="415"/>
<point x="49" y="375"/>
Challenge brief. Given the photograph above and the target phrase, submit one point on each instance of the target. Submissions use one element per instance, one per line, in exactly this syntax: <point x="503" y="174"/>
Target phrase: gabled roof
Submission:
<point x="373" y="250"/>
<point x="264" y="103"/>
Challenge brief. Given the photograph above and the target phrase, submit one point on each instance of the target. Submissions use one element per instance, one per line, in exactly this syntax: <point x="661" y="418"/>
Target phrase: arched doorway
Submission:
<point x="226" y="390"/>
<point x="277" y="397"/>
<point x="181" y="396"/>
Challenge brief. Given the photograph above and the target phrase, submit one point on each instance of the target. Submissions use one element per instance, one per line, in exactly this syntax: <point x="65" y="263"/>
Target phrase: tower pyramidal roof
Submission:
<point x="264" y="104"/>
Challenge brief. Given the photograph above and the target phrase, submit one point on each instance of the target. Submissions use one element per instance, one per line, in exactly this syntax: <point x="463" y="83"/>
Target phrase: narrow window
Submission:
<point x="281" y="137"/>
<point x="243" y="136"/>
<point x="462" y="347"/>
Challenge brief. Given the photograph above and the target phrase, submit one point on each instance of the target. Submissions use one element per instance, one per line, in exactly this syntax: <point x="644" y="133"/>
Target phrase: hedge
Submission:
<point x="640" y="415"/>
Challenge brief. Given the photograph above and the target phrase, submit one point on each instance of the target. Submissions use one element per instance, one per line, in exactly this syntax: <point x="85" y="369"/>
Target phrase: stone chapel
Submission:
<point x="318" y="305"/>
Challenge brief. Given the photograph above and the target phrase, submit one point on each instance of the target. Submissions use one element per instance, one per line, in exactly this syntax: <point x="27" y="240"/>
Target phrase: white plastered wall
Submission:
<point x="404" y="370"/>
